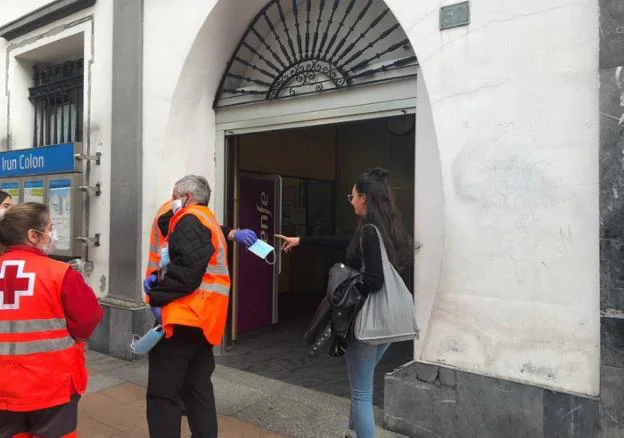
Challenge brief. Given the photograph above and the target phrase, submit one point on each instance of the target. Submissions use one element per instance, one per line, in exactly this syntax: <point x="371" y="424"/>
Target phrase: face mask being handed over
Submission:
<point x="262" y="250"/>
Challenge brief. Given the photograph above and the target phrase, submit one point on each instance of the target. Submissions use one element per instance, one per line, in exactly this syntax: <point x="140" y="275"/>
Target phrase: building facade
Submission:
<point x="518" y="144"/>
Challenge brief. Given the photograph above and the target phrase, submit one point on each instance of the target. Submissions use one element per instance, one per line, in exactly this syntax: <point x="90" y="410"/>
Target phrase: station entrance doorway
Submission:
<point x="295" y="182"/>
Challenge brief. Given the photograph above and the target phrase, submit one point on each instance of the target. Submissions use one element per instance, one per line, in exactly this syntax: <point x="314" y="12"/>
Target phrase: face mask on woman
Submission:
<point x="48" y="247"/>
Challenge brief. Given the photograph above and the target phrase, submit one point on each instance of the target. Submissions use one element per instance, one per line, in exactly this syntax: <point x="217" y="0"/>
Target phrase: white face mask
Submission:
<point x="177" y="205"/>
<point x="52" y="241"/>
<point x="262" y="250"/>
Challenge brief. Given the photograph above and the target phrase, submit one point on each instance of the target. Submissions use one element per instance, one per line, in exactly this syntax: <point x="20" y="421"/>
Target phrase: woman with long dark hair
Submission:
<point x="372" y="202"/>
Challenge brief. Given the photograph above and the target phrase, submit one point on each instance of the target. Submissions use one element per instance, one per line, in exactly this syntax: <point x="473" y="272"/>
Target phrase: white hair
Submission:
<point x="196" y="186"/>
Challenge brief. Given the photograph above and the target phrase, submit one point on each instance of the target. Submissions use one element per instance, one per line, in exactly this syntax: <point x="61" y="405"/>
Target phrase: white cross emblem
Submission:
<point x="18" y="284"/>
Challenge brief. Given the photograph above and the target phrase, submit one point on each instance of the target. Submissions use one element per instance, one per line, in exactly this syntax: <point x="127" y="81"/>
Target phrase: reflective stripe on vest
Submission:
<point x="155" y="246"/>
<point x="32" y="325"/>
<point x="220" y="268"/>
<point x="217" y="288"/>
<point x="154" y="253"/>
<point x="32" y="347"/>
<point x="153" y="266"/>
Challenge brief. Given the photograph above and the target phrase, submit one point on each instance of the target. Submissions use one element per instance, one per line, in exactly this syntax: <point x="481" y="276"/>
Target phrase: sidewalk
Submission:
<point x="249" y="405"/>
<point x="119" y="410"/>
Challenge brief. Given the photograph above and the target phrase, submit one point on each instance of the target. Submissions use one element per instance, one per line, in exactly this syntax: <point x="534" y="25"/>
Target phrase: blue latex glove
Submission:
<point x="245" y="237"/>
<point x="149" y="283"/>
<point x="157" y="312"/>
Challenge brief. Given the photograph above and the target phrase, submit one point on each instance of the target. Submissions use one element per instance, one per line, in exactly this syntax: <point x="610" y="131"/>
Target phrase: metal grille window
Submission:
<point x="299" y="47"/>
<point x="57" y="97"/>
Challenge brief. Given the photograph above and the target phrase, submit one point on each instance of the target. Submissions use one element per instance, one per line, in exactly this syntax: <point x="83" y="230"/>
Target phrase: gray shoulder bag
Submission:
<point x="388" y="315"/>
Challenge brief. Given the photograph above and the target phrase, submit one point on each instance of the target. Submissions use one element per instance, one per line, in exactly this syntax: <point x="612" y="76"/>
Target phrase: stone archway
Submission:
<point x="191" y="120"/>
<point x="485" y="109"/>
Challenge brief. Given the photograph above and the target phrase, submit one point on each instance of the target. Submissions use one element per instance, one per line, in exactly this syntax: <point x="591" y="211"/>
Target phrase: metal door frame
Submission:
<point x="291" y="116"/>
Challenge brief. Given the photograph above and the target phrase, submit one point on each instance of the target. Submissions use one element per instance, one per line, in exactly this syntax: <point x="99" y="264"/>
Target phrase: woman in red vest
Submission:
<point x="47" y="311"/>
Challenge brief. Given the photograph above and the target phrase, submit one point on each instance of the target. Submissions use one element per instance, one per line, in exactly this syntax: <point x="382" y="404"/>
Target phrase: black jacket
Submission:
<point x="190" y="250"/>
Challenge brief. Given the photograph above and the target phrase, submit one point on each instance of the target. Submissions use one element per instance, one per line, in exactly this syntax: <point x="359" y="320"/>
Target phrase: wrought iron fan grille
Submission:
<point x="299" y="47"/>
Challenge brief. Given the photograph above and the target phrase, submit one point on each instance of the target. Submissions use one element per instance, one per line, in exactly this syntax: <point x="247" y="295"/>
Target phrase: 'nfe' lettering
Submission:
<point x="265" y="215"/>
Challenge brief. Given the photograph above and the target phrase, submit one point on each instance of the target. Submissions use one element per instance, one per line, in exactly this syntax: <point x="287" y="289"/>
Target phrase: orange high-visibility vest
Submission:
<point x="41" y="365"/>
<point x="156" y="240"/>
<point x="207" y="306"/>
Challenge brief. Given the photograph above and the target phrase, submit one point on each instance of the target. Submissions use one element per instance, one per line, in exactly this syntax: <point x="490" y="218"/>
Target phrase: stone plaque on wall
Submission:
<point x="455" y="15"/>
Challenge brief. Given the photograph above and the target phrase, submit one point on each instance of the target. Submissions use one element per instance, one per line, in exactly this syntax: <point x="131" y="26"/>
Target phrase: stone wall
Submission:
<point x="429" y="401"/>
<point x="612" y="215"/>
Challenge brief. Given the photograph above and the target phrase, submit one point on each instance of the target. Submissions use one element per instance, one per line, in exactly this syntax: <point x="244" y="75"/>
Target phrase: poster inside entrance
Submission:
<point x="59" y="200"/>
<point x="34" y="191"/>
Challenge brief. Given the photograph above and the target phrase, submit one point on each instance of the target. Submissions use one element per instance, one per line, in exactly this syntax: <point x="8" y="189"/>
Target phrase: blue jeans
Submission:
<point x="361" y="361"/>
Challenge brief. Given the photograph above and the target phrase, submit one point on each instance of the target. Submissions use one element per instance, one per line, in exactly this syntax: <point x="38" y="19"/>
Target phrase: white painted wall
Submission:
<point x="3" y="95"/>
<point x="513" y="101"/>
<point x="95" y="26"/>
<point x="178" y="123"/>
<point x="518" y="139"/>
<point x="428" y="214"/>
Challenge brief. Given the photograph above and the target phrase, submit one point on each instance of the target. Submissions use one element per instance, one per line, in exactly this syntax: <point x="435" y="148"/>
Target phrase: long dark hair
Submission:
<point x="383" y="213"/>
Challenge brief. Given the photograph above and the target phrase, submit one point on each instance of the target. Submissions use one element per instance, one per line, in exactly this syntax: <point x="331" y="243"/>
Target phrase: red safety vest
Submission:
<point x="41" y="365"/>
<point x="207" y="306"/>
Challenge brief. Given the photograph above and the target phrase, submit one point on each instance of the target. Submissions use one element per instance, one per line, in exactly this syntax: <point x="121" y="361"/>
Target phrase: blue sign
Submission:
<point x="9" y="186"/>
<point x="60" y="183"/>
<point x="38" y="161"/>
<point x="33" y="184"/>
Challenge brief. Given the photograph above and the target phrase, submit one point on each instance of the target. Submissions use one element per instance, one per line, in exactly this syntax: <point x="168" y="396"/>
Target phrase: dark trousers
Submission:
<point x="54" y="422"/>
<point x="181" y="365"/>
